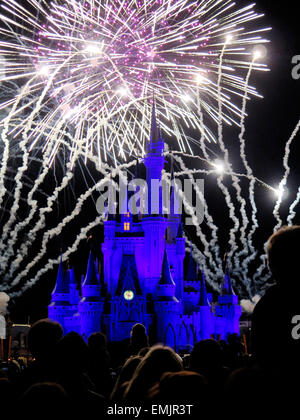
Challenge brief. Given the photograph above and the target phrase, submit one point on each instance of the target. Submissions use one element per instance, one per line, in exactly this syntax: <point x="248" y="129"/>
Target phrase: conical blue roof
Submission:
<point x="227" y="286"/>
<point x="128" y="278"/>
<point x="191" y="274"/>
<point x="154" y="137"/>
<point x="91" y="273"/>
<point x="72" y="278"/>
<point x="180" y="231"/>
<point x="165" y="276"/>
<point x="203" y="294"/>
<point x="62" y="280"/>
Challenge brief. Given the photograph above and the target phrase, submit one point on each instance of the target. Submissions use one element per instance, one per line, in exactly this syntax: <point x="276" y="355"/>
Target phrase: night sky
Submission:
<point x="270" y="123"/>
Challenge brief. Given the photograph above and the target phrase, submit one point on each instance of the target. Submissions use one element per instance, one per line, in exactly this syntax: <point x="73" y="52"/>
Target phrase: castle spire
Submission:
<point x="165" y="276"/>
<point x="227" y="288"/>
<point x="203" y="293"/>
<point x="62" y="284"/>
<point x="91" y="278"/>
<point x="192" y="268"/>
<point x="179" y="231"/>
<point x="154" y="137"/>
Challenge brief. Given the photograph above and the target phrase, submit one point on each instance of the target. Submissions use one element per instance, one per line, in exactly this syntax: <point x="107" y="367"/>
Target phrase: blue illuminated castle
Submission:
<point x="143" y="281"/>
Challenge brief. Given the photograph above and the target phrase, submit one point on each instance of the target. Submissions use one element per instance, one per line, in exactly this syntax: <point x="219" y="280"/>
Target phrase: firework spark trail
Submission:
<point x="215" y="168"/>
<point x="50" y="202"/>
<point x="51" y="263"/>
<point x="220" y="183"/>
<point x="210" y="223"/>
<point x="24" y="166"/>
<point x="114" y="54"/>
<point x="51" y="233"/>
<point x="58" y="229"/>
<point x="237" y="266"/>
<point x="251" y="257"/>
<point x="292" y="213"/>
<point x="283" y="182"/>
<point x="257" y="277"/>
<point x="32" y="204"/>
<point x="6" y="141"/>
<point x="23" y="252"/>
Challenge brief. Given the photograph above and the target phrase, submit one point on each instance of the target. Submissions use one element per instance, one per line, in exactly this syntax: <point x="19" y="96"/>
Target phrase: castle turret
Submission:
<point x="59" y="307"/>
<point x="74" y="292"/>
<point x="167" y="306"/>
<point x="191" y="286"/>
<point x="228" y="311"/>
<point x="91" y="304"/>
<point x="180" y="254"/>
<point x="206" y="316"/>
<point x="166" y="286"/>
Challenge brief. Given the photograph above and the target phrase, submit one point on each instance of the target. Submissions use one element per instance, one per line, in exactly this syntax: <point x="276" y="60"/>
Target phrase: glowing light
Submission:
<point x="123" y="91"/>
<point x="229" y="38"/>
<point x="93" y="49"/>
<point x="281" y="192"/>
<point x="260" y="51"/>
<point x="219" y="166"/>
<point x="257" y="55"/>
<point x="128" y="295"/>
<point x="186" y="98"/>
<point x="44" y="70"/>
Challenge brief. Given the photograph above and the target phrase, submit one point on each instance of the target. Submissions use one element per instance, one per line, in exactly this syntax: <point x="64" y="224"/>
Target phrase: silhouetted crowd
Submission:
<point x="71" y="378"/>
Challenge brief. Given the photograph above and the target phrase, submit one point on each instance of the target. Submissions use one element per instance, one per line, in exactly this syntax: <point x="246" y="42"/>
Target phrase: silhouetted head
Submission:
<point x="283" y="254"/>
<point x="182" y="386"/>
<point x="138" y="336"/>
<point x="138" y="330"/>
<point x="72" y="351"/>
<point x="206" y="355"/>
<point x="97" y="342"/>
<point x="43" y="336"/>
<point x="156" y="362"/>
<point x="126" y="374"/>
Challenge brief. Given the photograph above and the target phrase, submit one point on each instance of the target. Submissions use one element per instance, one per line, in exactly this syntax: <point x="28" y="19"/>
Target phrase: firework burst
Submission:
<point x="93" y="67"/>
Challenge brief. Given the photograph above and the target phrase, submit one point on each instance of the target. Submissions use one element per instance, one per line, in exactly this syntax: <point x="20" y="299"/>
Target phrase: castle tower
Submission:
<point x="180" y="254"/>
<point x="167" y="306"/>
<point x="206" y="316"/>
<point x="74" y="292"/>
<point x="191" y="286"/>
<point x="72" y="322"/>
<point x="59" y="307"/>
<point x="228" y="311"/>
<point x="91" y="304"/>
<point x="174" y="215"/>
<point x="154" y="225"/>
<point x="154" y="162"/>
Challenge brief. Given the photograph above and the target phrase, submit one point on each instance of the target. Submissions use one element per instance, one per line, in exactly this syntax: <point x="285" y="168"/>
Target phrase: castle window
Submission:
<point x="126" y="226"/>
<point x="127" y="214"/>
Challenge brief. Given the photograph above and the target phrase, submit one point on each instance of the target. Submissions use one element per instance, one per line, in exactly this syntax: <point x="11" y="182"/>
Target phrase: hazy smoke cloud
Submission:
<point x="4" y="298"/>
<point x="249" y="305"/>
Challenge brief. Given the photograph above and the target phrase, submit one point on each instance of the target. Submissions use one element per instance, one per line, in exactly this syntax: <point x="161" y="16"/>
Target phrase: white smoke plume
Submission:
<point x="249" y="304"/>
<point x="4" y="299"/>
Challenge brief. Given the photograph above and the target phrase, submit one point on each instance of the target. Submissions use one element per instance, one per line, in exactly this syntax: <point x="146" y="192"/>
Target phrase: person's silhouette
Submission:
<point x="273" y="344"/>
